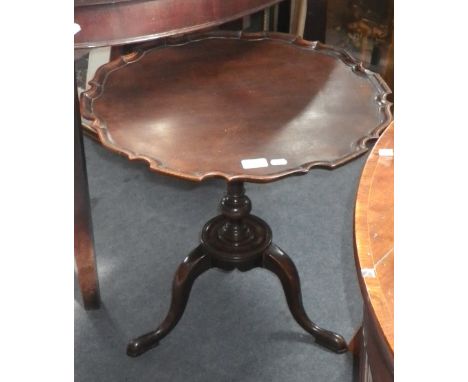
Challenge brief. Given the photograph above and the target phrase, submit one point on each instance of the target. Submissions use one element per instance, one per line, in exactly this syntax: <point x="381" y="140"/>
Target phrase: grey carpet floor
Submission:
<point x="237" y="326"/>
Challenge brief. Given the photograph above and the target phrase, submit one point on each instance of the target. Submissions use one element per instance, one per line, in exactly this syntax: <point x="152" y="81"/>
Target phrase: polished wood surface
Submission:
<point x="105" y="23"/>
<point x="197" y="106"/>
<point x="84" y="244"/>
<point x="375" y="257"/>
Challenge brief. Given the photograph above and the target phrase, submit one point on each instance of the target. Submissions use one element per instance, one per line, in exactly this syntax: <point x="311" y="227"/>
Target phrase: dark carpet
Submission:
<point x="237" y="326"/>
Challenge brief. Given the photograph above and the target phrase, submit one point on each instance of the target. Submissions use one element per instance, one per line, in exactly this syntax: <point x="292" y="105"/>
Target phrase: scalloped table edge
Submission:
<point x="99" y="128"/>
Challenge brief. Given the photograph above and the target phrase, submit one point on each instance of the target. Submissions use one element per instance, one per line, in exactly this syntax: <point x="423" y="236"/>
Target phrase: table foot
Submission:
<point x="196" y="263"/>
<point x="236" y="240"/>
<point x="278" y="262"/>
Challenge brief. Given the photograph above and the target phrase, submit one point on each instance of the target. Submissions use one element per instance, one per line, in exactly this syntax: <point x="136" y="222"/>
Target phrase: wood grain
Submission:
<point x="375" y="255"/>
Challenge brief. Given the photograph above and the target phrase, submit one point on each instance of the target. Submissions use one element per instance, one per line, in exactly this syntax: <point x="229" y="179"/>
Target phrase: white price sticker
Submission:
<point x="385" y="152"/>
<point x="278" y="162"/>
<point x="254" y="163"/>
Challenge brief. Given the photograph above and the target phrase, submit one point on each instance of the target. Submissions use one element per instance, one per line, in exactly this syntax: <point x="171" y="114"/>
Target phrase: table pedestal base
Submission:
<point x="236" y="240"/>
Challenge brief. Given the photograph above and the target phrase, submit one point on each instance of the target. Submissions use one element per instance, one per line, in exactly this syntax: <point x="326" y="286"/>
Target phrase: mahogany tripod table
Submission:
<point x="246" y="108"/>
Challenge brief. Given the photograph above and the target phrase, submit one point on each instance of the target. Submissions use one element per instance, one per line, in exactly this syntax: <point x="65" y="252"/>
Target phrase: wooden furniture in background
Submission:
<point x="374" y="260"/>
<point x="298" y="17"/>
<point x="84" y="244"/>
<point x="244" y="108"/>
<point x="109" y="22"/>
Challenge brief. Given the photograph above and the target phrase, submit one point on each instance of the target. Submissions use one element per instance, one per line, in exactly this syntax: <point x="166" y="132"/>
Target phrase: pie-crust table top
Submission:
<point x="246" y="107"/>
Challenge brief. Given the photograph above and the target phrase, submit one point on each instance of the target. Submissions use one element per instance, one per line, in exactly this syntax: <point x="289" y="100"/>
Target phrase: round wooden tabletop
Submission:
<point x="251" y="107"/>
<point x="115" y="22"/>
<point x="374" y="236"/>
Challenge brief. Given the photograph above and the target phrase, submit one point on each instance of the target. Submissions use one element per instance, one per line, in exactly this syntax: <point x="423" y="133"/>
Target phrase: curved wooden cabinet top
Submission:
<point x="374" y="236"/>
<point x="115" y="22"/>
<point x="200" y="106"/>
